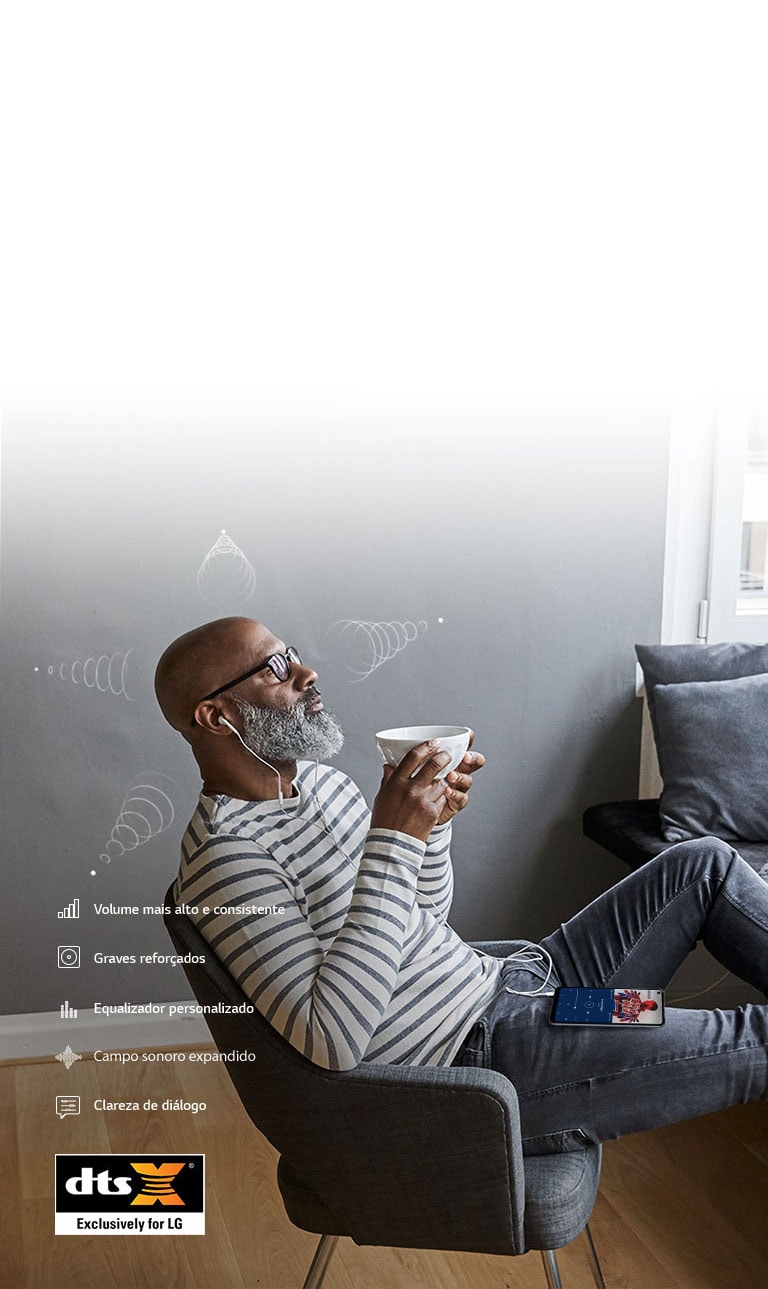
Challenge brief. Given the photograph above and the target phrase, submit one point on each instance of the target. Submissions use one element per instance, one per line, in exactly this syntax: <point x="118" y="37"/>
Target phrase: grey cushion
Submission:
<point x="715" y="753"/>
<point x="560" y="1194"/>
<point x="684" y="663"/>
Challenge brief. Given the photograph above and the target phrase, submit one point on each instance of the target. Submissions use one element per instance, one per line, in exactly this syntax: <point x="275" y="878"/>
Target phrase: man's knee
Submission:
<point x="710" y="855"/>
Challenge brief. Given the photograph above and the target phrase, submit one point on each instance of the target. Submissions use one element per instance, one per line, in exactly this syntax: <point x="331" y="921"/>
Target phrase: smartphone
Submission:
<point x="582" y="1006"/>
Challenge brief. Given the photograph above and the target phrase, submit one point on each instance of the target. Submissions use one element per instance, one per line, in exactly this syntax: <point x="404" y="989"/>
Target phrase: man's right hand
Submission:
<point x="411" y="798"/>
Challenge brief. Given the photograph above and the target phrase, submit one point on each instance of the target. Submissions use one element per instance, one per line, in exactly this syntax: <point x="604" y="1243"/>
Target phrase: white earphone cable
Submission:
<point x="223" y="721"/>
<point x="522" y="958"/>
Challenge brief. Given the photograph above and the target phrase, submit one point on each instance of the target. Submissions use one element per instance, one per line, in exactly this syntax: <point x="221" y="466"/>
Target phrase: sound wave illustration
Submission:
<point x="226" y="578"/>
<point x="147" y="810"/>
<point x="374" y="643"/>
<point x="109" y="673"/>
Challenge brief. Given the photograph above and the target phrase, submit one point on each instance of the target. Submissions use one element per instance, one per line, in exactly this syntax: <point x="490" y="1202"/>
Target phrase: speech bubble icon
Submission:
<point x="67" y="1105"/>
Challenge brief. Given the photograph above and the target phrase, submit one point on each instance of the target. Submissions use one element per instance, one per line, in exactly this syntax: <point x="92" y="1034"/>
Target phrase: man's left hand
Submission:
<point x="459" y="781"/>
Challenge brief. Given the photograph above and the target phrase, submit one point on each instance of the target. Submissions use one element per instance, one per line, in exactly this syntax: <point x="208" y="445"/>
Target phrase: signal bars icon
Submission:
<point x="71" y="910"/>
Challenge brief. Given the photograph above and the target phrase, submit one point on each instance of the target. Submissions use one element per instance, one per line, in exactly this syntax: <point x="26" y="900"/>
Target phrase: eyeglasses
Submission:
<point x="278" y="663"/>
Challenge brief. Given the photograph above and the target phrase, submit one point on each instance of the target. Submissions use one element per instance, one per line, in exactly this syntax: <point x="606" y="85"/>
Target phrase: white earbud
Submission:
<point x="223" y="721"/>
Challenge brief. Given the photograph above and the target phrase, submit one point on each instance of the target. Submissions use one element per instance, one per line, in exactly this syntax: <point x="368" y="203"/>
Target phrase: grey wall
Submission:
<point x="536" y="535"/>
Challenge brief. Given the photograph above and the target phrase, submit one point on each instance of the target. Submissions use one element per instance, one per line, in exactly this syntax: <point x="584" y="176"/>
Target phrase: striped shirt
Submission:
<point x="335" y="931"/>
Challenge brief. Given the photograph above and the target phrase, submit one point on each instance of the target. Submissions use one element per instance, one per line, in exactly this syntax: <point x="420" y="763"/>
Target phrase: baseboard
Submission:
<point x="35" y="1034"/>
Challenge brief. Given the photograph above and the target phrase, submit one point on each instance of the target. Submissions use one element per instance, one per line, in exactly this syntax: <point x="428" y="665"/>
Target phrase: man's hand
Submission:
<point x="411" y="798"/>
<point x="459" y="781"/>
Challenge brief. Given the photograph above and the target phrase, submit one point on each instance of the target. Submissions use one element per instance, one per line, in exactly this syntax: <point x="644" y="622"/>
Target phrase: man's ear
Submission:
<point x="207" y="717"/>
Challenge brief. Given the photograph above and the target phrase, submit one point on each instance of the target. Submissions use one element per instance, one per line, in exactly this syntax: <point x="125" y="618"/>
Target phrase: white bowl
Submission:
<point x="394" y="744"/>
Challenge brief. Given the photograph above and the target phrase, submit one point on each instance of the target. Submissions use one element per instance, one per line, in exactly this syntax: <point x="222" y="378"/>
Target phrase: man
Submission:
<point x="333" y="920"/>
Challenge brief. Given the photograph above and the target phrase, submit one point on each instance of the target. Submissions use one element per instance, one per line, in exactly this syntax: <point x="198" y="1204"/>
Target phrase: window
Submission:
<point x="753" y="566"/>
<point x="716" y="548"/>
<point x="738" y="567"/>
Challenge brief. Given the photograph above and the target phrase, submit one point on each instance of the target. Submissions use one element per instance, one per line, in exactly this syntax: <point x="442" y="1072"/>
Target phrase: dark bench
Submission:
<point x="631" y="831"/>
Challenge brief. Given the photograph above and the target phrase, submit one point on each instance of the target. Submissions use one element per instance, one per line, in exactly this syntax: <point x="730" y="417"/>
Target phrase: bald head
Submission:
<point x="201" y="660"/>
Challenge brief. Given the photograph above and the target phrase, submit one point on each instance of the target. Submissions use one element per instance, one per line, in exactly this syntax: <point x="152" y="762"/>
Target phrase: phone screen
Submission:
<point x="581" y="1006"/>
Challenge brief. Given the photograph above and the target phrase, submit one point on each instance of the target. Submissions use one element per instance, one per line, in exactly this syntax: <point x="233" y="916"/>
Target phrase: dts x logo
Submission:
<point x="133" y="1194"/>
<point x="157" y="1184"/>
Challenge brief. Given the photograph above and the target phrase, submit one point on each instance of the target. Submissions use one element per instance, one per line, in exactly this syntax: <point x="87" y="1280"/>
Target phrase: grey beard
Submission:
<point x="290" y="735"/>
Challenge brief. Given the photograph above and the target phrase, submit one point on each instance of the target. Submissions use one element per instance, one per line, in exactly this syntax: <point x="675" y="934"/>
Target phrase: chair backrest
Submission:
<point x="408" y="1156"/>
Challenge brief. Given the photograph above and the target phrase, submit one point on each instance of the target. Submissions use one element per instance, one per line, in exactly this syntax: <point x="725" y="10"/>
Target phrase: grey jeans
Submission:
<point x="592" y="1084"/>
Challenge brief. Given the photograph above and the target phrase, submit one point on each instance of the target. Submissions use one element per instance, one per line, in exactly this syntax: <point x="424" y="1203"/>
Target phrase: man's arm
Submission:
<point x="326" y="1000"/>
<point x="435" y="881"/>
<point x="435" y="884"/>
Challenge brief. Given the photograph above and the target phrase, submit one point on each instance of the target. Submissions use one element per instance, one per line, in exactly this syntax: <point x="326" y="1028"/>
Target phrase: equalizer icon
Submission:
<point x="71" y="911"/>
<point x="67" y="1012"/>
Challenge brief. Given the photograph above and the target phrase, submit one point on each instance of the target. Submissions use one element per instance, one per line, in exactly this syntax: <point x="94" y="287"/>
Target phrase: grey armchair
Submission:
<point x="404" y="1156"/>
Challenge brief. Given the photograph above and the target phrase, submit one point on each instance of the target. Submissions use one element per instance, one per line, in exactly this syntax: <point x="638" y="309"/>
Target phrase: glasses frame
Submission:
<point x="290" y="656"/>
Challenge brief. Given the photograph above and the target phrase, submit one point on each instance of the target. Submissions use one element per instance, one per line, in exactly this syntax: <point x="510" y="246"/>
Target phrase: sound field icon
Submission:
<point x="68" y="1057"/>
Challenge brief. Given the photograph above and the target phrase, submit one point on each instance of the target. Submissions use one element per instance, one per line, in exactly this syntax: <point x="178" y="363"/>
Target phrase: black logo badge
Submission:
<point x="130" y="1194"/>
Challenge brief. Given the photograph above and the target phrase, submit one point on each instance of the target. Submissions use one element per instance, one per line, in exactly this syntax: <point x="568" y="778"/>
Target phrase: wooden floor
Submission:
<point x="680" y="1208"/>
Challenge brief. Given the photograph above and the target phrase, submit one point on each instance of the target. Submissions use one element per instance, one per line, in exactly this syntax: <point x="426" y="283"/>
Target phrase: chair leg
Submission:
<point x="593" y="1262"/>
<point x="551" y="1269"/>
<point x="323" y="1254"/>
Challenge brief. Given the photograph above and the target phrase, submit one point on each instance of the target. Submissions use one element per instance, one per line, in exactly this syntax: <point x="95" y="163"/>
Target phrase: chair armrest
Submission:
<point x="457" y="1079"/>
<point x="430" y="1153"/>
